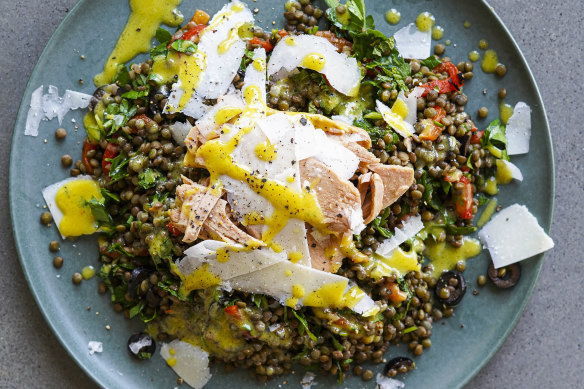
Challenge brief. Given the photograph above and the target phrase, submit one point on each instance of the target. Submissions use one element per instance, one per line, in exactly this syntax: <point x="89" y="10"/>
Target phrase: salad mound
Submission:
<point x="304" y="195"/>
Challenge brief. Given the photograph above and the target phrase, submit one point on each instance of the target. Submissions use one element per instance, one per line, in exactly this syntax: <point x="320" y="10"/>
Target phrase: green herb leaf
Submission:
<point x="431" y="62"/>
<point x="494" y="136"/>
<point x="99" y="212"/>
<point x="122" y="75"/>
<point x="118" y="169"/>
<point x="134" y="94"/>
<point x="483" y="199"/>
<point x="456" y="230"/>
<point x="159" y="50"/>
<point x="136" y="309"/>
<point x="162" y="35"/>
<point x="409" y="329"/>
<point x="149" y="178"/>
<point x="304" y="324"/>
<point x="184" y="46"/>
<point x="107" y="195"/>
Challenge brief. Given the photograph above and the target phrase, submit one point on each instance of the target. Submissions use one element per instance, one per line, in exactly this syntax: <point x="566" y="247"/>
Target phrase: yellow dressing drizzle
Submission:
<point x="145" y="17"/>
<point x="88" y="272"/>
<point x="225" y="114"/>
<point x="393" y="16"/>
<point x="201" y="278"/>
<point x="400" y="262"/>
<point x="353" y="296"/>
<point x="425" y="21"/>
<point x="232" y="37"/>
<point x="444" y="256"/>
<point x="487" y="212"/>
<point x="71" y="199"/>
<point x="223" y="254"/>
<point x="266" y="151"/>
<point x="297" y="291"/>
<point x="328" y="295"/>
<point x="437" y="33"/>
<point x="314" y="62"/>
<point x="171" y="361"/>
<point x="400" y="108"/>
<point x="505" y="111"/>
<point x="295" y="256"/>
<point x="288" y="273"/>
<point x="290" y="41"/>
<point x="164" y="68"/>
<point x="490" y="61"/>
<point x="503" y="174"/>
<point x="189" y="74"/>
<point x="259" y="64"/>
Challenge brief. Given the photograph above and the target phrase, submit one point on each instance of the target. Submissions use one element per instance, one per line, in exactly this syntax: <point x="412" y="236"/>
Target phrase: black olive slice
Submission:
<point x="97" y="95"/>
<point x="450" y="288"/>
<point x="509" y="280"/>
<point x="141" y="345"/>
<point x="139" y="274"/>
<point x="398" y="365"/>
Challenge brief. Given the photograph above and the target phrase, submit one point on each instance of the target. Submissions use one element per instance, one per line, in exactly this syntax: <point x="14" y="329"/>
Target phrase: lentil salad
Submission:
<point x="145" y="166"/>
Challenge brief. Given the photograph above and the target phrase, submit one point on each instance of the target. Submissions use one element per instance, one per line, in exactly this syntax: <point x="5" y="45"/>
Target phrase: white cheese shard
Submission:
<point x="179" y="131"/>
<point x="413" y="43"/>
<point x="384" y="382"/>
<point x="307" y="380"/>
<point x="255" y="74"/>
<point x="189" y="362"/>
<point x="50" y="105"/>
<point x="411" y="226"/>
<point x="222" y="49"/>
<point x="94" y="347"/>
<point x="341" y="71"/>
<point x="232" y="261"/>
<point x="207" y="124"/>
<point x="411" y="103"/>
<point x="514" y="234"/>
<point x="518" y="130"/>
<point x="395" y="120"/>
<point x="515" y="172"/>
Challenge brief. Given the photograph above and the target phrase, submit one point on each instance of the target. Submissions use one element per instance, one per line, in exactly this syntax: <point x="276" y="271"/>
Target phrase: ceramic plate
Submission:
<point x="461" y="345"/>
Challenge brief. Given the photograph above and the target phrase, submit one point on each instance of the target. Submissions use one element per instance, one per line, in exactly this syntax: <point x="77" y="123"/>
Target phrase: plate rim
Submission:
<point x="547" y="220"/>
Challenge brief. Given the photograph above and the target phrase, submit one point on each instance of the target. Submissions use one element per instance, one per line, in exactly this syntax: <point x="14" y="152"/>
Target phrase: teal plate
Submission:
<point x="461" y="345"/>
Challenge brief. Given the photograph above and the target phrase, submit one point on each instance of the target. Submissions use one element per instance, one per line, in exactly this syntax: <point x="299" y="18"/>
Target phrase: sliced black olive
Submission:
<point x="450" y="288"/>
<point x="139" y="274"/>
<point x="154" y="102"/>
<point x="511" y="277"/>
<point x="398" y="365"/>
<point x="141" y="345"/>
<point x="97" y="95"/>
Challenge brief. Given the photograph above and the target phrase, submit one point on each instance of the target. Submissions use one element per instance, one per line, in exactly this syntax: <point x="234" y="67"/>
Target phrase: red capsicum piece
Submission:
<point x="111" y="151"/>
<point x="263" y="43"/>
<point x="476" y="137"/>
<point x="87" y="147"/>
<point x="463" y="200"/>
<point x="432" y="132"/>
<point x="453" y="83"/>
<point x="233" y="310"/>
<point x="173" y="230"/>
<point x="191" y="32"/>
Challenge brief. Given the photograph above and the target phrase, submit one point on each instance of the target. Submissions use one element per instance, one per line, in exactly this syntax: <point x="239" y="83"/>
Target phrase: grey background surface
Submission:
<point x="543" y="351"/>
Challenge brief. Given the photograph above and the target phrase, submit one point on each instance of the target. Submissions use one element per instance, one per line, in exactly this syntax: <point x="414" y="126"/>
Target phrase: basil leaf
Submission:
<point x="118" y="169"/>
<point x="304" y="325"/>
<point x="456" y="230"/>
<point x="162" y="35"/>
<point x="431" y="62"/>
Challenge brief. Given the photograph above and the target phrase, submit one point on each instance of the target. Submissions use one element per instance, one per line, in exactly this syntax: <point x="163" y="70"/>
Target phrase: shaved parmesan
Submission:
<point x="94" y="347"/>
<point x="395" y="119"/>
<point x="234" y="260"/>
<point x="411" y="103"/>
<point x="411" y="226"/>
<point x="384" y="382"/>
<point x="316" y="53"/>
<point x="189" y="362"/>
<point x="515" y="172"/>
<point x="255" y="74"/>
<point x="307" y="380"/>
<point x="207" y="124"/>
<point x="514" y="234"/>
<point x="179" y="131"/>
<point x="50" y="105"/>
<point x="518" y="129"/>
<point x="413" y="43"/>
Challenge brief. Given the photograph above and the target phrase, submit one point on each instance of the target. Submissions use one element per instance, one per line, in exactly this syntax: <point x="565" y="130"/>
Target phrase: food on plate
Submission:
<point x="304" y="195"/>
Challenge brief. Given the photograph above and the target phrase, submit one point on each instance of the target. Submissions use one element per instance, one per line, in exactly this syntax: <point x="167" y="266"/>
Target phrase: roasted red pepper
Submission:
<point x="433" y="131"/>
<point x="283" y="33"/>
<point x="111" y="151"/>
<point x="476" y="137"/>
<point x="188" y="34"/>
<point x="260" y="42"/>
<point x="173" y="230"/>
<point x="233" y="310"/>
<point x="453" y="83"/>
<point x="463" y="200"/>
<point x="87" y="147"/>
